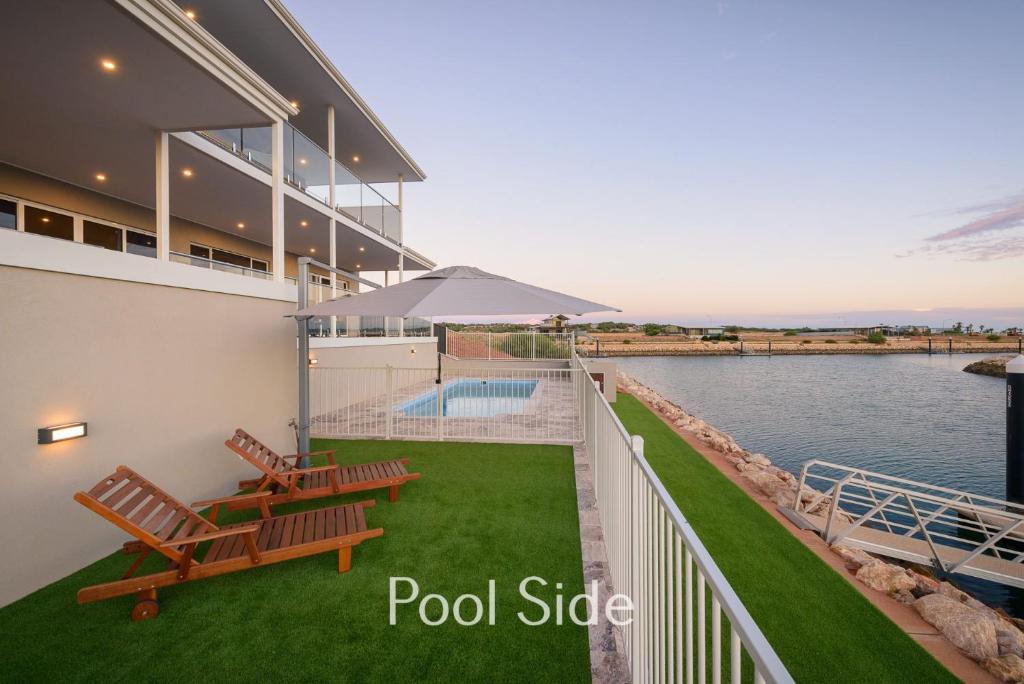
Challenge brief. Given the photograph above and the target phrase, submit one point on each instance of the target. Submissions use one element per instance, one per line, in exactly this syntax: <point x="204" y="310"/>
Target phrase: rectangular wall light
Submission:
<point x="60" y="433"/>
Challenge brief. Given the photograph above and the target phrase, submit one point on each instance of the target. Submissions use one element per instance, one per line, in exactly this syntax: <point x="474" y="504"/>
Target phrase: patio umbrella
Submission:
<point x="452" y="291"/>
<point x="456" y="291"/>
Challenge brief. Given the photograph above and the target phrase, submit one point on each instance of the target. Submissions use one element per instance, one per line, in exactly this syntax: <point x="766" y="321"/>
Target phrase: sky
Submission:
<point x="755" y="162"/>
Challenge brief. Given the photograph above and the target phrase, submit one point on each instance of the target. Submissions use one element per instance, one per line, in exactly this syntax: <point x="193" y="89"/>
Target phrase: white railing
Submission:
<point x="523" y="405"/>
<point x="212" y="265"/>
<point x="495" y="346"/>
<point x="657" y="559"/>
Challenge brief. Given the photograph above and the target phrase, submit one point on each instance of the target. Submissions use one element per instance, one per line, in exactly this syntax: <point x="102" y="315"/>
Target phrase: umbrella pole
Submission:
<point x="303" y="361"/>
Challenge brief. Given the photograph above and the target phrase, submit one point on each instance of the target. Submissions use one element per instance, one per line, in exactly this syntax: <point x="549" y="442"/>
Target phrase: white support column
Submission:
<point x="19" y="217"/>
<point x="401" y="245"/>
<point x="78" y="226"/>
<point x="162" y="224"/>
<point x="333" y="203"/>
<point x="277" y="199"/>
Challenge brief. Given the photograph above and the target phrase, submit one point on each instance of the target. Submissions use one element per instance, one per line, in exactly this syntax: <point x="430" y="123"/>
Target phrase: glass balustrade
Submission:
<point x="307" y="167"/>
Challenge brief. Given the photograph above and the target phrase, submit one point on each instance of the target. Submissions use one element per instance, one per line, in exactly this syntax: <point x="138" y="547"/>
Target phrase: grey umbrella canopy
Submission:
<point x="456" y="291"/>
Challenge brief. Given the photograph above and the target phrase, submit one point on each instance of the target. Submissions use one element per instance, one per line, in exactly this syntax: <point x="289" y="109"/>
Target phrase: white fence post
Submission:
<point x="440" y="408"/>
<point x="389" y="406"/>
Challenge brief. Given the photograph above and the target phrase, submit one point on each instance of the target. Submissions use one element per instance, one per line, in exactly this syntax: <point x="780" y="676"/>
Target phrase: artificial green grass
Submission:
<point x="479" y="512"/>
<point x="820" y="626"/>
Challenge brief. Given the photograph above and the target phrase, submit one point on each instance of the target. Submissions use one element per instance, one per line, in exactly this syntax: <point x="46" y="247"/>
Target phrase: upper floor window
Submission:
<point x="103" y="235"/>
<point x="143" y="244"/>
<point x="226" y="257"/>
<point x="8" y="214"/>
<point x="50" y="223"/>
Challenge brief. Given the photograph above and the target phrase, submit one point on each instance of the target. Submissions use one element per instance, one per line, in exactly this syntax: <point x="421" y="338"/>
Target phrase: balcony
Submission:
<point x="307" y="168"/>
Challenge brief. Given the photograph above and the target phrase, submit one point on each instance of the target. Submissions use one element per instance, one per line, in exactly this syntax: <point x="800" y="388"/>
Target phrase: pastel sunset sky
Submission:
<point x="744" y="161"/>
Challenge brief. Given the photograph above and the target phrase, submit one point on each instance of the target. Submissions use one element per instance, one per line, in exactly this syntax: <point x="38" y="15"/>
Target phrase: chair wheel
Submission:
<point x="146" y="609"/>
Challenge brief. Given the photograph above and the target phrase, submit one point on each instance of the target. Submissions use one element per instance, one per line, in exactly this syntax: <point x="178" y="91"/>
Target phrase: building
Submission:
<point x="672" y="329"/>
<point x="162" y="169"/>
<point x="695" y="331"/>
<point x="553" y="324"/>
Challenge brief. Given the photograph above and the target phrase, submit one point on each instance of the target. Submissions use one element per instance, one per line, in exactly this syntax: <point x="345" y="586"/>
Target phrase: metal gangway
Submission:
<point x="953" y="531"/>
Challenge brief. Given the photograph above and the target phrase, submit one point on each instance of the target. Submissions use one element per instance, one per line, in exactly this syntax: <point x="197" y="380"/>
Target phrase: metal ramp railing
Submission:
<point x="951" y="530"/>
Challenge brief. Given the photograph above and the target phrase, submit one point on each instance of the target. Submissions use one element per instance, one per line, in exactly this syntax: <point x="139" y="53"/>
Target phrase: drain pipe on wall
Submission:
<point x="1015" y="430"/>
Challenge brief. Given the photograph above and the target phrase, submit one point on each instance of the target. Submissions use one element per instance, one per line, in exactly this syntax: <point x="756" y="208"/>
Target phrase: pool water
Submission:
<point x="473" y="399"/>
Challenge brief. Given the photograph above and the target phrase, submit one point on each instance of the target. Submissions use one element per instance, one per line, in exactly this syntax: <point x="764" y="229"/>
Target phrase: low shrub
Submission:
<point x="876" y="337"/>
<point x="789" y="333"/>
<point x="830" y="342"/>
<point x="993" y="337"/>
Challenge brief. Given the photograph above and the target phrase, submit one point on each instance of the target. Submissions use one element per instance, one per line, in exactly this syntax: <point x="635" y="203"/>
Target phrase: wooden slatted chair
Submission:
<point x="288" y="482"/>
<point x="161" y="523"/>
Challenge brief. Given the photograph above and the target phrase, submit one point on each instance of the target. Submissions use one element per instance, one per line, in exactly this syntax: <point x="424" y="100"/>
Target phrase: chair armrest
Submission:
<point x="199" y="538"/>
<point x="230" y="499"/>
<point x="303" y="471"/>
<point x="328" y="452"/>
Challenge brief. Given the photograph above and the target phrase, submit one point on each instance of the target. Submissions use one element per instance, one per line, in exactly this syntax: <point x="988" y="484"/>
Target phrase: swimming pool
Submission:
<point x="470" y="398"/>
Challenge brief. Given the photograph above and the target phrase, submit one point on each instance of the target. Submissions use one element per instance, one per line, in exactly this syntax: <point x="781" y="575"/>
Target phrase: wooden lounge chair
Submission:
<point x="161" y="523"/>
<point x="288" y="482"/>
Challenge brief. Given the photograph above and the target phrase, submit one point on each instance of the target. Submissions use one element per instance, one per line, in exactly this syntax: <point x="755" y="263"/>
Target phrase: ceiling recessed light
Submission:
<point x="187" y="173"/>
<point x="355" y="158"/>
<point x="362" y="249"/>
<point x="303" y="223"/>
<point x="302" y="161"/>
<point x="312" y="250"/>
<point x="241" y="226"/>
<point x="359" y="265"/>
<point x="101" y="177"/>
<point x="108" y="64"/>
<point x="190" y="14"/>
<point x="45" y="219"/>
<point x="295" y="103"/>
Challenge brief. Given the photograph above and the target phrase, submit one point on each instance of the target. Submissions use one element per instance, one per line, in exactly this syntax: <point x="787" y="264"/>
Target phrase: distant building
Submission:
<point x="554" y="324"/>
<point x="894" y="330"/>
<point x="673" y="330"/>
<point x="1013" y="332"/>
<point x="696" y="332"/>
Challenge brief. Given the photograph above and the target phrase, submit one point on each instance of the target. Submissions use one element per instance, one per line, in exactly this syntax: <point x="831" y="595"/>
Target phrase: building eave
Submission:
<point x="170" y="22"/>
<point x="306" y="41"/>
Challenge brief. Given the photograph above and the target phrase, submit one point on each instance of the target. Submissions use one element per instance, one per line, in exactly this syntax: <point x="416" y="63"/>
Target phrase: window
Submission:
<point x="102" y="235"/>
<point x="8" y="214"/>
<point x="225" y="257"/>
<point x="199" y="251"/>
<point x="50" y="223"/>
<point x="232" y="258"/>
<point x="141" y="243"/>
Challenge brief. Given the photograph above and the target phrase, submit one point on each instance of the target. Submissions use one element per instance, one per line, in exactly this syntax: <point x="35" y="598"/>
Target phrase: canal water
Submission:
<point x="914" y="416"/>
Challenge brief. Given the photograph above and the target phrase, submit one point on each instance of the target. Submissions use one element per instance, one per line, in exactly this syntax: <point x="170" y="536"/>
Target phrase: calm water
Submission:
<point x="915" y="416"/>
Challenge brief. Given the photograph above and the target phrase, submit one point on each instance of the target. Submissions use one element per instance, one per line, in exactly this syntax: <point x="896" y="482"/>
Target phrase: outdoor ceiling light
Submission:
<point x="186" y="172"/>
<point x="241" y="226"/>
<point x="45" y="219"/>
<point x="101" y="177"/>
<point x="60" y="433"/>
<point x="355" y="158"/>
<point x="108" y="64"/>
<point x="312" y="250"/>
<point x="190" y="14"/>
<point x="362" y="249"/>
<point x="295" y="103"/>
<point x="303" y="223"/>
<point x="359" y="265"/>
<point x="302" y="161"/>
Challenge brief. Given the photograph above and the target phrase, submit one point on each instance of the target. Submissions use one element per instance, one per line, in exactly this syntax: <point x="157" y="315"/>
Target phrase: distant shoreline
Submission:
<point x="798" y="350"/>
